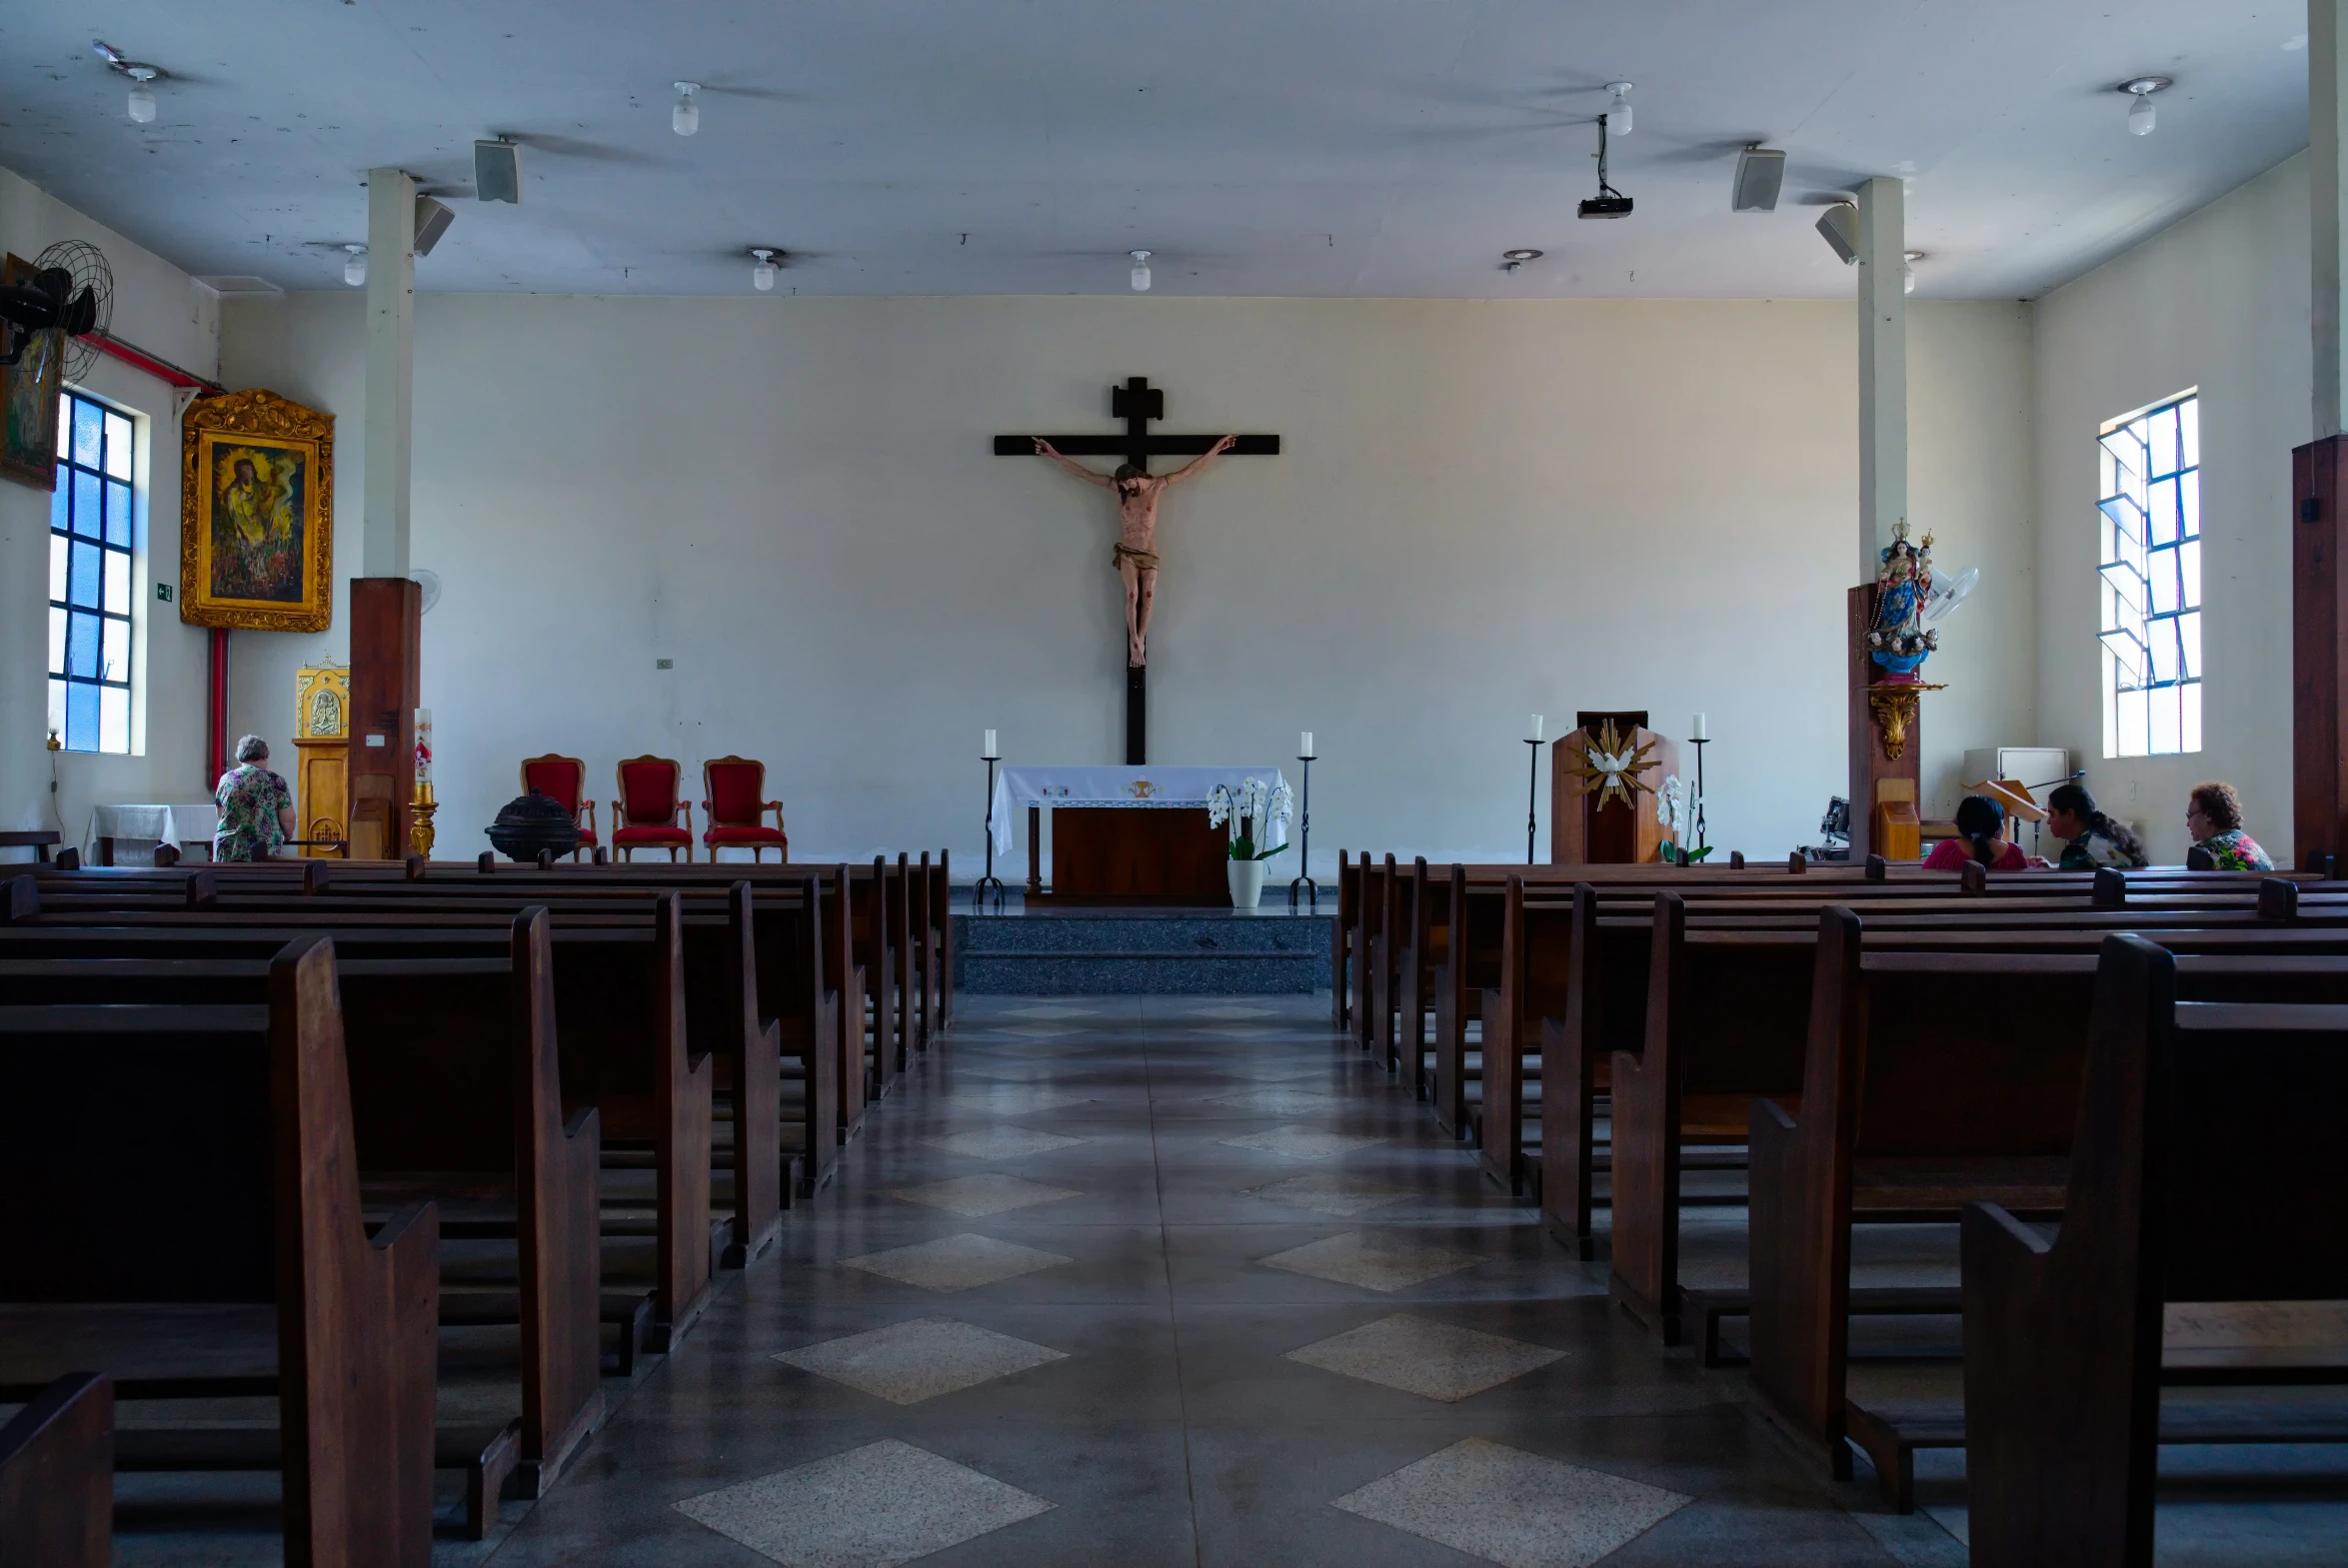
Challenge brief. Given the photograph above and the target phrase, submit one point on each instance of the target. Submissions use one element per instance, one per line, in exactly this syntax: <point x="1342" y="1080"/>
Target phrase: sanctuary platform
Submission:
<point x="1063" y="952"/>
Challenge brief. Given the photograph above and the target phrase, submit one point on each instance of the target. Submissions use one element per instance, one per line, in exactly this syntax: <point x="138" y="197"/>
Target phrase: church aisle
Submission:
<point x="1177" y="1280"/>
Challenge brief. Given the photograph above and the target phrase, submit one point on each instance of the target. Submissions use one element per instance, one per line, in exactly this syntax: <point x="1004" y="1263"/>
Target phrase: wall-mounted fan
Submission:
<point x="71" y="293"/>
<point x="1948" y="592"/>
<point x="429" y="581"/>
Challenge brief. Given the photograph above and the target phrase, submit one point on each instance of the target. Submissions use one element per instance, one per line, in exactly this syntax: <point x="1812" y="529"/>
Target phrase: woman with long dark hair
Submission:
<point x="2072" y="818"/>
<point x="1980" y="824"/>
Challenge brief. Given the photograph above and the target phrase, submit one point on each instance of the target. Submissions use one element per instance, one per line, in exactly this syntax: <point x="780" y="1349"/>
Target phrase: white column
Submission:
<point x="391" y="352"/>
<point x="2327" y="72"/>
<point x="1883" y="369"/>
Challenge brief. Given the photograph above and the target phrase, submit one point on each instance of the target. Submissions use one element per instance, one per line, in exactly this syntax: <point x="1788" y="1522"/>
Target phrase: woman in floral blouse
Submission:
<point x="256" y="808"/>
<point x="2213" y="815"/>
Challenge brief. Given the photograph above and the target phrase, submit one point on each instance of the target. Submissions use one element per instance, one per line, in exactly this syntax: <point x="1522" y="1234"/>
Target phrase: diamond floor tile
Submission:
<point x="1332" y="1192"/>
<point x="1422" y="1356"/>
<point x="871" y="1507"/>
<point x="1375" y="1261"/>
<point x="1301" y="1142"/>
<point x="952" y="1263"/>
<point x="975" y="1197"/>
<point x="1513" y="1508"/>
<point x="907" y="1363"/>
<point x="1001" y="1142"/>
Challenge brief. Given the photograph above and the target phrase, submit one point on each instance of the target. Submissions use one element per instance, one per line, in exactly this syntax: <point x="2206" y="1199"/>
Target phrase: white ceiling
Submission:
<point x="1260" y="147"/>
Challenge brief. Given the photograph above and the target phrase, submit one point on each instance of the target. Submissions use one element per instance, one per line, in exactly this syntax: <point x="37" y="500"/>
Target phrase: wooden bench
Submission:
<point x="57" y="1476"/>
<point x="2209" y="1188"/>
<point x="213" y="1243"/>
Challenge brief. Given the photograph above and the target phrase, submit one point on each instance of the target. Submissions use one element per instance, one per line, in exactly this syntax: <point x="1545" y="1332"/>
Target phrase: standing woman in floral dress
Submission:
<point x="256" y="808"/>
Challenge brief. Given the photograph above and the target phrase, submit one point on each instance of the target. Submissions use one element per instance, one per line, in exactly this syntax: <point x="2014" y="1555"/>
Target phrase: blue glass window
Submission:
<point x="2149" y="520"/>
<point x="90" y="539"/>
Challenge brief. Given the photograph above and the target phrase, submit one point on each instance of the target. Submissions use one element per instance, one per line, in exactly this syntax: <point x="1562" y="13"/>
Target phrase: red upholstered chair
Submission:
<point x="644" y="815"/>
<point x="563" y="778"/>
<point x="737" y="811"/>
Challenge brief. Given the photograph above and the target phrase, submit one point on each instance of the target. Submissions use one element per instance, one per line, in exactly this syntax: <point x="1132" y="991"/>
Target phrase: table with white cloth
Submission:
<point x="113" y="827"/>
<point x="1125" y="835"/>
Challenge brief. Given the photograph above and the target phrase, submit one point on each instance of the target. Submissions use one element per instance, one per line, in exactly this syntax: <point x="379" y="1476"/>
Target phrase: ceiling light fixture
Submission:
<point x="2140" y="89"/>
<point x="142" y="96"/>
<point x="1511" y="259"/>
<point x="1141" y="271"/>
<point x="355" y="265"/>
<point x="685" y="119"/>
<point x="762" y="276"/>
<point x="1618" y="112"/>
<point x="1609" y="202"/>
<point x="1907" y="270"/>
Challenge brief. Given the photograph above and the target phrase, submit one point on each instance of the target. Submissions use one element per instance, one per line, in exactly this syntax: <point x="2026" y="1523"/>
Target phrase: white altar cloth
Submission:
<point x="146" y="826"/>
<point x="1129" y="788"/>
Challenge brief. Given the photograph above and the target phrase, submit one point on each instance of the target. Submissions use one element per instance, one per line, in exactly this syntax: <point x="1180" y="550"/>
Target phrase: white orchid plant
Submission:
<point x="1675" y="812"/>
<point x="1251" y="813"/>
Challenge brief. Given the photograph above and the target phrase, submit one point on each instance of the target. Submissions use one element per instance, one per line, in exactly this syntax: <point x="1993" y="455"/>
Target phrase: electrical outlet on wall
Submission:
<point x="664" y="664"/>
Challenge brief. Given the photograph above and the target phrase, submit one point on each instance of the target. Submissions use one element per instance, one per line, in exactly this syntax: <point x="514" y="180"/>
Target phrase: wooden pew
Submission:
<point x="57" y="1476"/>
<point x="456" y="1099"/>
<point x="2207" y="1172"/>
<point x="1931" y="1079"/>
<point x="1341" y="947"/>
<point x="214" y="1244"/>
<point x="620" y="983"/>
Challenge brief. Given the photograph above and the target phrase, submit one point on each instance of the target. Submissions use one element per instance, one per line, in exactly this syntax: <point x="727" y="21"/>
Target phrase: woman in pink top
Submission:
<point x="1980" y="825"/>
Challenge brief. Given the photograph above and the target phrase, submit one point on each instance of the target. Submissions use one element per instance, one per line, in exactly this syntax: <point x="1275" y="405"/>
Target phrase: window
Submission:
<point x="2150" y="524"/>
<point x="90" y="577"/>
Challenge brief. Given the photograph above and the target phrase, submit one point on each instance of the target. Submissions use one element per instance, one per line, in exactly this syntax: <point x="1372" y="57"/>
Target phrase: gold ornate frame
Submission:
<point x="244" y="418"/>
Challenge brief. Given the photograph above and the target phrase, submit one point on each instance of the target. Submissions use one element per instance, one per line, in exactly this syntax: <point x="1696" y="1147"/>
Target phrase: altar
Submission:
<point x="1124" y="836"/>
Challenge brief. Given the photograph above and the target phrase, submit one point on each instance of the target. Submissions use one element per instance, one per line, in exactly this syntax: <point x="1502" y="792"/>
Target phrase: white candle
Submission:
<point x="989" y="748"/>
<point x="1697" y="730"/>
<point x="1536" y="728"/>
<point x="1304" y="743"/>
<point x="424" y="745"/>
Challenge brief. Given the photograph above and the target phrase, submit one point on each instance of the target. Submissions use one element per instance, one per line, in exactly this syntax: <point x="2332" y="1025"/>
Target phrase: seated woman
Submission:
<point x="2091" y="840"/>
<point x="1980" y="825"/>
<point x="256" y="808"/>
<point x="2213" y="815"/>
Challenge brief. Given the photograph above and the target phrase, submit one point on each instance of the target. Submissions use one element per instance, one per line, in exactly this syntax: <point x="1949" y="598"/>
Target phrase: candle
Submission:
<point x="989" y="748"/>
<point x="424" y="745"/>
<point x="1536" y="728"/>
<point x="1697" y="730"/>
<point x="1304" y="743"/>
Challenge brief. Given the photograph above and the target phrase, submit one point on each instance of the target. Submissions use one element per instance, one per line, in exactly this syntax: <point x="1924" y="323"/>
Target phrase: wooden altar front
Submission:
<point x="1109" y="856"/>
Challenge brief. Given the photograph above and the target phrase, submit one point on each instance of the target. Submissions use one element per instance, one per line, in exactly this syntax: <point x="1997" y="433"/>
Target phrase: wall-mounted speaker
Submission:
<point x="1838" y="225"/>
<point x="432" y="221"/>
<point x="497" y="171"/>
<point x="1761" y="171"/>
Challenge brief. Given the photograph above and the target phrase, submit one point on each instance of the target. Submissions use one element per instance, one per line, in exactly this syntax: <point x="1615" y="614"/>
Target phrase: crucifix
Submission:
<point x="1137" y="403"/>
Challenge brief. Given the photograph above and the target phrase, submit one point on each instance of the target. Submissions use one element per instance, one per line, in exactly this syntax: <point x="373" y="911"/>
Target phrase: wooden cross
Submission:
<point x="1137" y="403"/>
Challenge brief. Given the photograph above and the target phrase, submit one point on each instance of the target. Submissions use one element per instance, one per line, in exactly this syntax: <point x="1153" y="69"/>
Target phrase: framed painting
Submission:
<point x="28" y="398"/>
<point x="256" y="528"/>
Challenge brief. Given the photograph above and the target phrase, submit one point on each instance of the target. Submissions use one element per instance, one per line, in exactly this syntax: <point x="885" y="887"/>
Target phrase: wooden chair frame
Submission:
<point x="585" y="813"/>
<point x="757" y="851"/>
<point x="620" y="808"/>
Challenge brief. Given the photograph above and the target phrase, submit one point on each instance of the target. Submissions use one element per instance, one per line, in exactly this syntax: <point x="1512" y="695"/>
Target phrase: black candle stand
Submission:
<point x="1700" y="743"/>
<point x="1532" y="787"/>
<point x="1303" y="877"/>
<point x="979" y="888"/>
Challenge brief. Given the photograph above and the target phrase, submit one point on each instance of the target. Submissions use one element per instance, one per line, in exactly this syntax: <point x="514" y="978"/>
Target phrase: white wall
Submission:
<point x="1481" y="510"/>
<point x="162" y="310"/>
<point x="2218" y="302"/>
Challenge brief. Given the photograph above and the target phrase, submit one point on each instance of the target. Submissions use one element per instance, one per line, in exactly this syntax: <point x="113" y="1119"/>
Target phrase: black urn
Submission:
<point x="532" y="822"/>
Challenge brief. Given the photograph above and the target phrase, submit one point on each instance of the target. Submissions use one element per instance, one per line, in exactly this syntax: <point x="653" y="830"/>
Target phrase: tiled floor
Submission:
<point x="1194" y="1285"/>
<point x="1126" y="1281"/>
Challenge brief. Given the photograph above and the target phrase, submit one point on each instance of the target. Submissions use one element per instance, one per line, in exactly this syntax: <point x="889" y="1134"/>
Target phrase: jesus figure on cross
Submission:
<point x="1136" y="554"/>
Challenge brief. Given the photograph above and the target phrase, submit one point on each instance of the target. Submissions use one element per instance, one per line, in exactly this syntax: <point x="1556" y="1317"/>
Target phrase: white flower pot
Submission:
<point x="1246" y="883"/>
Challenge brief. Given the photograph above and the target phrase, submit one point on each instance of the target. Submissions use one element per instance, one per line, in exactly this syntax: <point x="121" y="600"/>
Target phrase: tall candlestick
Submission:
<point x="1697" y="730"/>
<point x="989" y="748"/>
<point x="1536" y="728"/>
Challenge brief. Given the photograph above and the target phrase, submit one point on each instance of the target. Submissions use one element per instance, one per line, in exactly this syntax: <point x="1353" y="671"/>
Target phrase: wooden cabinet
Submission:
<point x="321" y="749"/>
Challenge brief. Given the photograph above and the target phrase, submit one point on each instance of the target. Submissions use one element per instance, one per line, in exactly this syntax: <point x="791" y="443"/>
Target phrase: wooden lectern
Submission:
<point x="322" y="746"/>
<point x="386" y="658"/>
<point x="1585" y="833"/>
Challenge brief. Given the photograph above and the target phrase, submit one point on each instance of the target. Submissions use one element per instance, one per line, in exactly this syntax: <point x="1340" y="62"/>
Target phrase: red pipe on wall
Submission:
<point x="216" y="707"/>
<point x="154" y="365"/>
